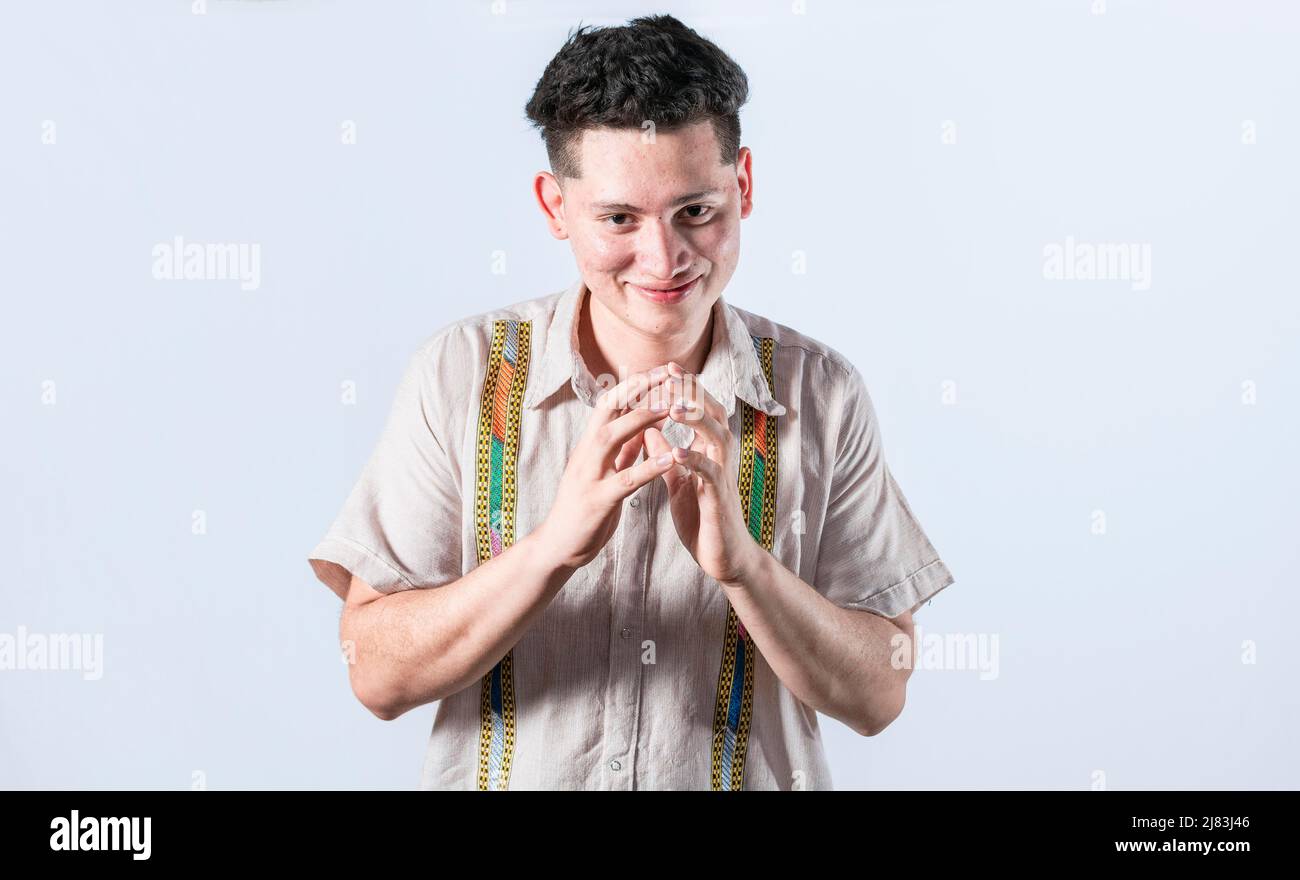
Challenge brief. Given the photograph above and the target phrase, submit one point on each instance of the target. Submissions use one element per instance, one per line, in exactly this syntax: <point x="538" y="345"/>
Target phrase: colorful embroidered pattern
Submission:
<point x="735" y="703"/>
<point x="494" y="512"/>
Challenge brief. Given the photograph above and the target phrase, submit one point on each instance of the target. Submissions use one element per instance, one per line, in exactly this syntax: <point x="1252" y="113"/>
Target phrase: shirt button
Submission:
<point x="615" y="765"/>
<point x="636" y="502"/>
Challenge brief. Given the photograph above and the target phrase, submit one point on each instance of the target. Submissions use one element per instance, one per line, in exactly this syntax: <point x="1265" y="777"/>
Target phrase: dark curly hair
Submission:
<point x="653" y="68"/>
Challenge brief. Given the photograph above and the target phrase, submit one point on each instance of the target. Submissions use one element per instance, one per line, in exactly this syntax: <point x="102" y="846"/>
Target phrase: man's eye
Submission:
<point x="613" y="217"/>
<point x="704" y="211"/>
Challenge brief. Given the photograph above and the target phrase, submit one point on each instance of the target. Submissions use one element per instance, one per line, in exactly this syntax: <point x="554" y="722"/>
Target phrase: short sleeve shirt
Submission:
<point x="619" y="684"/>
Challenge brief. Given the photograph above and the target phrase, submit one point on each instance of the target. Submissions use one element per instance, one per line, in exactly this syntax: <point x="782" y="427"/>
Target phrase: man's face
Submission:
<point x="647" y="217"/>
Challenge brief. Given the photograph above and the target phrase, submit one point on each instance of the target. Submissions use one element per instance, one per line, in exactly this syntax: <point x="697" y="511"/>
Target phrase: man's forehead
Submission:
<point x="622" y="167"/>
<point x="693" y="147"/>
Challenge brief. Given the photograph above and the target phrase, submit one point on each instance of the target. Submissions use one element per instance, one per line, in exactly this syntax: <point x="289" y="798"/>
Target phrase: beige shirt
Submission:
<point x="635" y="676"/>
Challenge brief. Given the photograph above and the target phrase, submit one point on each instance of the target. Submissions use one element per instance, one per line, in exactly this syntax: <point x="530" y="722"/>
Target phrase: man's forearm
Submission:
<point x="416" y="646"/>
<point x="836" y="660"/>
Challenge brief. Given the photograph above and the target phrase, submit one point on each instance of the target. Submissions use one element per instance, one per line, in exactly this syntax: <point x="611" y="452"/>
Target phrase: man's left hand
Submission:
<point x="702" y="488"/>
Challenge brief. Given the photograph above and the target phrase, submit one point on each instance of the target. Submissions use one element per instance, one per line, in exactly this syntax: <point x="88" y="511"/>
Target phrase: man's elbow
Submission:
<point x="877" y="722"/>
<point x="377" y="700"/>
<point x="384" y="712"/>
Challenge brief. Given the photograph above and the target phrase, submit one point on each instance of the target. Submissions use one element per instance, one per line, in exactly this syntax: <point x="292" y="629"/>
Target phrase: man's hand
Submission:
<point x="601" y="472"/>
<point x="702" y="491"/>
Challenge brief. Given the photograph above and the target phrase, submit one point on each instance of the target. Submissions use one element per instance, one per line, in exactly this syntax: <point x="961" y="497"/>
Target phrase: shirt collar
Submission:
<point x="731" y="368"/>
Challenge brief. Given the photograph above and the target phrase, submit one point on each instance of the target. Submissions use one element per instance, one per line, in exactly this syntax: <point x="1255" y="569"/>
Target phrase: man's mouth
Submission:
<point x="671" y="295"/>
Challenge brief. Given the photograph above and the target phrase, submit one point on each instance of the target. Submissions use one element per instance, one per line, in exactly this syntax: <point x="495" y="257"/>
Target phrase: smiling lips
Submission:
<point x="673" y="295"/>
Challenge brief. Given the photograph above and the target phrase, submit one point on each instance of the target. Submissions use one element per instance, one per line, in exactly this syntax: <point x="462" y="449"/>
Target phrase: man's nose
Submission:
<point x="662" y="252"/>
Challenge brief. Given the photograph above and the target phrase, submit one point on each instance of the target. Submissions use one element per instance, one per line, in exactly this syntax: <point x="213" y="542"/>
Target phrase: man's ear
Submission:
<point x="550" y="198"/>
<point x="745" y="180"/>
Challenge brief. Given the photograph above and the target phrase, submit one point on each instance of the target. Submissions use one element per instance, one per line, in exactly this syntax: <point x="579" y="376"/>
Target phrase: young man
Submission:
<point x="603" y="589"/>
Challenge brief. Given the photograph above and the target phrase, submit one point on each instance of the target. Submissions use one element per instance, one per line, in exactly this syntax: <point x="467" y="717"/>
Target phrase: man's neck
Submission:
<point x="606" y="343"/>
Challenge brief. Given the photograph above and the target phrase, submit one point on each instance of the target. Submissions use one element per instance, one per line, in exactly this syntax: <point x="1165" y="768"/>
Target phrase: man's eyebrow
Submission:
<point x="624" y="208"/>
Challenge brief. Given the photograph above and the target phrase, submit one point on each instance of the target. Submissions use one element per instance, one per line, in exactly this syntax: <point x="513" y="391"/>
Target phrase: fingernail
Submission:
<point x="664" y="459"/>
<point x="658" y="373"/>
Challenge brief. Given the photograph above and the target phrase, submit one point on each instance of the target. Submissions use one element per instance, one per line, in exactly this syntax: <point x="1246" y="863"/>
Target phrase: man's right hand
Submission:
<point x="600" y="473"/>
